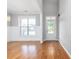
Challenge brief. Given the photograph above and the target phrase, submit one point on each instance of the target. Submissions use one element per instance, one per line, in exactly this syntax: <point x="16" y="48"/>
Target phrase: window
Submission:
<point x="8" y="20"/>
<point x="32" y="23"/>
<point x="24" y="27"/>
<point x="28" y="26"/>
<point x="51" y="25"/>
<point x="24" y="22"/>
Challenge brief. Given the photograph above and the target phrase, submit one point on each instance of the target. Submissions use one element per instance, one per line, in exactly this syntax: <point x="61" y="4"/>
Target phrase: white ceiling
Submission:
<point x="18" y="6"/>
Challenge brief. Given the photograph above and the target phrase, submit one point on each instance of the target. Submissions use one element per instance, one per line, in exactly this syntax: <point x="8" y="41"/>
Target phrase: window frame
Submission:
<point x="53" y="19"/>
<point x="27" y="27"/>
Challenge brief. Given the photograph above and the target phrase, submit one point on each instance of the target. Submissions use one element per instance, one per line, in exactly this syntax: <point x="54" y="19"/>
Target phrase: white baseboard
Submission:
<point x="65" y="49"/>
<point x="50" y="40"/>
<point x="40" y="40"/>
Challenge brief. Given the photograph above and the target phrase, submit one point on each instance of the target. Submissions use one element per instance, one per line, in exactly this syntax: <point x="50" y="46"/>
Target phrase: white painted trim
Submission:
<point x="50" y="40"/>
<point x="41" y="41"/>
<point x="65" y="49"/>
<point x="25" y="40"/>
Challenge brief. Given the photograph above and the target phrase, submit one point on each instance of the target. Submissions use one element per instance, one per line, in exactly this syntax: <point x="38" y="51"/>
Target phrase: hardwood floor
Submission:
<point x="35" y="50"/>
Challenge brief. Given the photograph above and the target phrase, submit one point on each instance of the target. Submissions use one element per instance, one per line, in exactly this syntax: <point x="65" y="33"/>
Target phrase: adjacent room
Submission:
<point x="38" y="29"/>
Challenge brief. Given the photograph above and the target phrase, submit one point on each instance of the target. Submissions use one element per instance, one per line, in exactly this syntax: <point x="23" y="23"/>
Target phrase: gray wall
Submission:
<point x="65" y="24"/>
<point x="14" y="20"/>
<point x="50" y="8"/>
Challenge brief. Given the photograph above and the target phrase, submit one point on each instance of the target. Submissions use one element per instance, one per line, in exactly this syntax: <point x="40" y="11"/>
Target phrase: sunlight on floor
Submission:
<point x="30" y="49"/>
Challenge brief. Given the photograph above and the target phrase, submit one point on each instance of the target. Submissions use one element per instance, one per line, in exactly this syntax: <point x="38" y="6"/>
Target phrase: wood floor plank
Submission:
<point x="36" y="50"/>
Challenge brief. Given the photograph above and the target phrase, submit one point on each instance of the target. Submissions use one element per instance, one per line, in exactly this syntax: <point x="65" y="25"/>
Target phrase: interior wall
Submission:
<point x="50" y="8"/>
<point x="14" y="29"/>
<point x="65" y="24"/>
